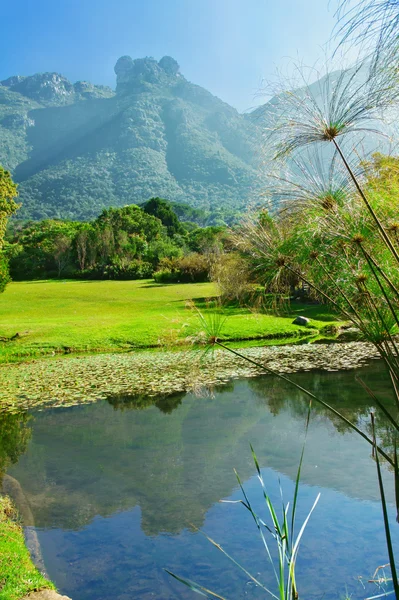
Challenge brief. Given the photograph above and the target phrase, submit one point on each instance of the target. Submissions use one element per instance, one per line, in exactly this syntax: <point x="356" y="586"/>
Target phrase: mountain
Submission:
<point x="77" y="148"/>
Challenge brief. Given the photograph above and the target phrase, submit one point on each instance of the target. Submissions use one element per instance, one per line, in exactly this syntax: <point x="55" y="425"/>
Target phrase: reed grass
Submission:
<point x="277" y="528"/>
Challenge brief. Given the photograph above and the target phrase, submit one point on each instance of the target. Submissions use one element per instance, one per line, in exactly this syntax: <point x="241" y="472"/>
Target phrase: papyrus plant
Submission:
<point x="330" y="230"/>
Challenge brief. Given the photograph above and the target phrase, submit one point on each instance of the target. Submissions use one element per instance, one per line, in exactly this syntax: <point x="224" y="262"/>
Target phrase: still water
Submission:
<point x="115" y="489"/>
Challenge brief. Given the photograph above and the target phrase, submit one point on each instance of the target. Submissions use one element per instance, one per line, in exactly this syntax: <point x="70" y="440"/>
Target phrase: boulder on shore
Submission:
<point x="300" y="321"/>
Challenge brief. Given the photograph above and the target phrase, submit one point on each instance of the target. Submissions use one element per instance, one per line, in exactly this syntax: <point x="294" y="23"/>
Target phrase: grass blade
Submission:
<point x="247" y="573"/>
<point x="385" y="514"/>
<point x="298" y="475"/>
<point x="198" y="589"/>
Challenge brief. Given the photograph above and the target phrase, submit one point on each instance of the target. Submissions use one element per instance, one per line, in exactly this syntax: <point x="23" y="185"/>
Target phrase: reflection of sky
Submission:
<point x="112" y="558"/>
<point x="227" y="46"/>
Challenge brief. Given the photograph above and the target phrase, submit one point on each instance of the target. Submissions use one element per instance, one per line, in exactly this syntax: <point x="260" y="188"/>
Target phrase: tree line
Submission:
<point x="131" y="242"/>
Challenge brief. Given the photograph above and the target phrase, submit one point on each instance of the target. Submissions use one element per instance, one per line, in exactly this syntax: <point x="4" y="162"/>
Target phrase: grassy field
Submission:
<point x="88" y="316"/>
<point x="18" y="575"/>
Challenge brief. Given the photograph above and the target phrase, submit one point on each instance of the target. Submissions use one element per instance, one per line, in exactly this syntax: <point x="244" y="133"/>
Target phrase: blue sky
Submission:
<point x="227" y="46"/>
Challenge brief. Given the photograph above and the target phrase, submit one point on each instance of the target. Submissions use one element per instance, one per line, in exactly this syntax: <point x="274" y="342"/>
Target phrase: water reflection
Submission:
<point x="114" y="486"/>
<point x="166" y="404"/>
<point x="14" y="437"/>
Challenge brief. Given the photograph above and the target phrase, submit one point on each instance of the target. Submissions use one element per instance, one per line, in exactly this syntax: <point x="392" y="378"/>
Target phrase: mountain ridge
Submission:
<point x="77" y="148"/>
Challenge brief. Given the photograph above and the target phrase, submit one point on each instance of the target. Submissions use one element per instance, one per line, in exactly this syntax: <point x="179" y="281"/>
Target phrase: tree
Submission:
<point x="42" y="248"/>
<point x="82" y="240"/>
<point x="162" y="209"/>
<point x="62" y="252"/>
<point x="131" y="219"/>
<point x="8" y="206"/>
<point x="207" y="239"/>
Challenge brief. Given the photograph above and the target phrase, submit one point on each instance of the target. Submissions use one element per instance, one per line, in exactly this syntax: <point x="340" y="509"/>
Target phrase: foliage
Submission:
<point x="119" y="269"/>
<point x="8" y="206"/>
<point x="42" y="248"/>
<point x="191" y="268"/>
<point x="207" y="239"/>
<point x="230" y="273"/>
<point x="122" y="243"/>
<point x="330" y="242"/>
<point x="372" y="25"/>
<point x="162" y="210"/>
<point x="340" y="240"/>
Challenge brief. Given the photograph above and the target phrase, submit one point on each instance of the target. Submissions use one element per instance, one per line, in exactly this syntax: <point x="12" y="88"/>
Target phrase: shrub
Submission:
<point x="135" y="269"/>
<point x="230" y="273"/>
<point x="189" y="269"/>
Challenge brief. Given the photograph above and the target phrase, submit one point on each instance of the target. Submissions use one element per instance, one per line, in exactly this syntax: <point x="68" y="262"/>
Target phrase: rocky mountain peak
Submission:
<point x="46" y="88"/>
<point x="169" y="65"/>
<point x="136" y="75"/>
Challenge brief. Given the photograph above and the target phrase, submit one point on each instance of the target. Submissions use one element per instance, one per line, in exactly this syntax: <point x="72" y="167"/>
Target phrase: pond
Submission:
<point x="116" y="488"/>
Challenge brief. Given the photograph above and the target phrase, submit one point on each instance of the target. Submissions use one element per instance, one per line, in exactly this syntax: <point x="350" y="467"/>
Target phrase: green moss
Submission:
<point x="18" y="575"/>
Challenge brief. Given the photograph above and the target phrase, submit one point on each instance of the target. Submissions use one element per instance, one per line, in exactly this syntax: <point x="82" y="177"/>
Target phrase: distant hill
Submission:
<point x="77" y="148"/>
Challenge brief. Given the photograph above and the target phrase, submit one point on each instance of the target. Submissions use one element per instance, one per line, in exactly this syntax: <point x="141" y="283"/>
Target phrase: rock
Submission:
<point x="85" y="89"/>
<point x="133" y="75"/>
<point x="169" y="65"/>
<point x="46" y="88"/>
<point x="349" y="334"/>
<point x="123" y="65"/>
<point x="300" y="321"/>
<point x="12" y="81"/>
<point x="142" y="73"/>
<point x="45" y="595"/>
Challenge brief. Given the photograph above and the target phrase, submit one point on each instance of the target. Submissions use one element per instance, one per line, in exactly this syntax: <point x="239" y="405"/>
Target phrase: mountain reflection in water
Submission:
<point x="114" y="486"/>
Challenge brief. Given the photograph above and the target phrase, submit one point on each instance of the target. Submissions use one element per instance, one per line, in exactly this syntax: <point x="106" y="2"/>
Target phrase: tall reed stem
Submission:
<point x="385" y="514"/>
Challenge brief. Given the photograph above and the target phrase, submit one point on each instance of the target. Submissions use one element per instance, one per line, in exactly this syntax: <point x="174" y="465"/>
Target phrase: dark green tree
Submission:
<point x="8" y="206"/>
<point x="162" y="209"/>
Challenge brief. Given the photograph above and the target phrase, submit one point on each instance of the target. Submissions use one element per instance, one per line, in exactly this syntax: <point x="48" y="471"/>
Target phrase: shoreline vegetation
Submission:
<point x="18" y="575"/>
<point x="52" y="317"/>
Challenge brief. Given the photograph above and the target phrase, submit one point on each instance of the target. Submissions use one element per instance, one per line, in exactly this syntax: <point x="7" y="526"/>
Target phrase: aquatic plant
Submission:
<point x="281" y="529"/>
<point x="371" y="25"/>
<point x="330" y="231"/>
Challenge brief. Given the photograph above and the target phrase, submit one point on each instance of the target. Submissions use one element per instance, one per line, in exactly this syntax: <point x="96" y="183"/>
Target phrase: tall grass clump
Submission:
<point x="277" y="529"/>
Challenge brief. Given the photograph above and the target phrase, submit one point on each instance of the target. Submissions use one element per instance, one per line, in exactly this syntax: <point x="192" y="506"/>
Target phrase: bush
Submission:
<point x="135" y="269"/>
<point x="230" y="273"/>
<point x="166" y="276"/>
<point x="193" y="268"/>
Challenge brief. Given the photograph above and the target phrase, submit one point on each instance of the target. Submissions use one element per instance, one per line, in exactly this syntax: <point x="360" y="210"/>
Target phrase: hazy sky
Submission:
<point x="227" y="46"/>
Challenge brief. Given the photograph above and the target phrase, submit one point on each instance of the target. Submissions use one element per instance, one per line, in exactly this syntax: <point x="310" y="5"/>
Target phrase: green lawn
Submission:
<point x="88" y="316"/>
<point x="18" y="575"/>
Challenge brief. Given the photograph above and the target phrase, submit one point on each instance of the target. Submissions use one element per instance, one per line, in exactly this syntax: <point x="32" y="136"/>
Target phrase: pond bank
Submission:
<point x="75" y="380"/>
<point x="18" y="575"/>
